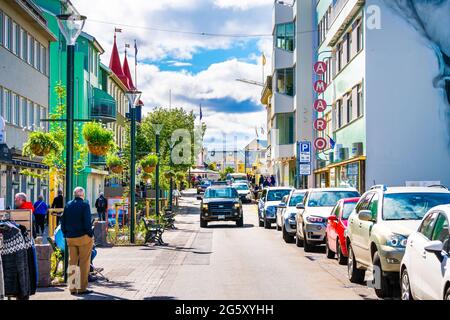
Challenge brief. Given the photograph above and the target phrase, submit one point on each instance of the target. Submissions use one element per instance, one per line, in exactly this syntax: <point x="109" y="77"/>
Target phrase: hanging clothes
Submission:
<point x="14" y="253"/>
<point x="32" y="259"/>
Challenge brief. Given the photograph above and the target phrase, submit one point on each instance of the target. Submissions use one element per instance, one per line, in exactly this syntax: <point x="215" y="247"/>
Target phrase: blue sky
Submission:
<point x="196" y="69"/>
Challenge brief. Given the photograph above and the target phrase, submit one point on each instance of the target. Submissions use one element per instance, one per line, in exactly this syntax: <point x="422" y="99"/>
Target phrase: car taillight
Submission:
<point x="315" y="219"/>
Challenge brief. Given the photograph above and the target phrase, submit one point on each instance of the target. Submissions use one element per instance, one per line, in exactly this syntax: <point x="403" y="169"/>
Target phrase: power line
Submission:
<point x="204" y="34"/>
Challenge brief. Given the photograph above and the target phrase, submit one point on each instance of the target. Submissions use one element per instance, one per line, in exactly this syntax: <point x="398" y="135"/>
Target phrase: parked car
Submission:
<point x="268" y="202"/>
<point x="203" y="186"/>
<point x="378" y="230"/>
<point x="336" y="226"/>
<point x="313" y="214"/>
<point x="244" y="192"/>
<point x="425" y="268"/>
<point x="221" y="204"/>
<point x="286" y="212"/>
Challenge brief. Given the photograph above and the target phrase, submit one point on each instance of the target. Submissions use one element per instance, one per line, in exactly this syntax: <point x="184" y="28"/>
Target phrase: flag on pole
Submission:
<point x="127" y="45"/>
<point x="256" y="130"/>
<point x="117" y="30"/>
<point x="264" y="61"/>
<point x="263" y="131"/>
<point x="332" y="142"/>
<point x="201" y="112"/>
<point x="135" y="50"/>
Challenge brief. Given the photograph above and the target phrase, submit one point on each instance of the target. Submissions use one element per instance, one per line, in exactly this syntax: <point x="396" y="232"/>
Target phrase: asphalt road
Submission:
<point x="225" y="262"/>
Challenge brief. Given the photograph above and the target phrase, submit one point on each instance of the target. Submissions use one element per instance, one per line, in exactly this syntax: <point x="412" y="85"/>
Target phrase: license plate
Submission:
<point x="221" y="217"/>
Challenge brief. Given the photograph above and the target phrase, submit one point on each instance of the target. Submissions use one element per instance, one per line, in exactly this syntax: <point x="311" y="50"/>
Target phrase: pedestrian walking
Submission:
<point x="272" y="181"/>
<point x="266" y="183"/>
<point x="261" y="180"/>
<point x="76" y="226"/>
<point x="58" y="203"/>
<point x="101" y="204"/>
<point x="40" y="215"/>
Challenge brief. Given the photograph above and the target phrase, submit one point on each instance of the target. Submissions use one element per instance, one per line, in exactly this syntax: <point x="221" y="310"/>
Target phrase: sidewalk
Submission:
<point x="138" y="273"/>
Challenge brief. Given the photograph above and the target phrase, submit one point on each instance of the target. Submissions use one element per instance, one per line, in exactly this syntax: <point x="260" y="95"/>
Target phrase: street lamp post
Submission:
<point x="71" y="27"/>
<point x="171" y="146"/>
<point x="158" y="129"/>
<point x="133" y="100"/>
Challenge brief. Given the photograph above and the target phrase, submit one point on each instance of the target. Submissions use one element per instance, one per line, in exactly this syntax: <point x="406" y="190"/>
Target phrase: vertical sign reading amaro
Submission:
<point x="320" y="105"/>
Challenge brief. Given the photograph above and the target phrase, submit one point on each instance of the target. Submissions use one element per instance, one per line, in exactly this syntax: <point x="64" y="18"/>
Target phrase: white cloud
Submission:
<point x="242" y="4"/>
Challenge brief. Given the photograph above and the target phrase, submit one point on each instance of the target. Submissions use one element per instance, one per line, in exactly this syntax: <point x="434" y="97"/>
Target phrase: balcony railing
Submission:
<point x="103" y="106"/>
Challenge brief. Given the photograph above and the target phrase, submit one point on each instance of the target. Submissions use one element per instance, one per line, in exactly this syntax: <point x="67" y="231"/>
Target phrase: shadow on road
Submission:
<point x="229" y="226"/>
<point x="161" y="298"/>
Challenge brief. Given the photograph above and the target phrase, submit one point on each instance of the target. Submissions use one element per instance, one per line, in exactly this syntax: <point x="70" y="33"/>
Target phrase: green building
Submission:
<point x="91" y="102"/>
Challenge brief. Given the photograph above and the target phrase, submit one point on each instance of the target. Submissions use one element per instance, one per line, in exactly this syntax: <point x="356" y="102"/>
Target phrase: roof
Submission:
<point x="94" y="41"/>
<point x="116" y="66"/>
<point x="350" y="200"/>
<point x="415" y="189"/>
<point x="332" y="189"/>
<point x="279" y="188"/>
<point x="127" y="73"/>
<point x="445" y="208"/>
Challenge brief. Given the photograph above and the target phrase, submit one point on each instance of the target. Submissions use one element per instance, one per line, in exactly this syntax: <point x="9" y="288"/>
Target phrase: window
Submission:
<point x="24" y="113"/>
<point x="38" y="56"/>
<point x="349" y="47"/>
<point x="15" y="44"/>
<point x="286" y="36"/>
<point x="1" y="27"/>
<point x="329" y="198"/>
<point x="285" y="126"/>
<point x="44" y="60"/>
<point x="285" y="81"/>
<point x="373" y="207"/>
<point x="441" y="231"/>
<point x="31" y="115"/>
<point x="24" y="55"/>
<point x="359" y="102"/>
<point x="427" y="225"/>
<point x="327" y="75"/>
<point x="16" y="102"/>
<point x="2" y="106"/>
<point x="340" y="114"/>
<point x="8" y="106"/>
<point x="339" y="57"/>
<point x="38" y="115"/>
<point x="359" y="37"/>
<point x="8" y="32"/>
<point x="349" y="108"/>
<point x="31" y="50"/>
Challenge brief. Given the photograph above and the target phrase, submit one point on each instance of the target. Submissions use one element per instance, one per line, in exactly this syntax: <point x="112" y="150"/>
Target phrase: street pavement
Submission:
<point x="219" y="262"/>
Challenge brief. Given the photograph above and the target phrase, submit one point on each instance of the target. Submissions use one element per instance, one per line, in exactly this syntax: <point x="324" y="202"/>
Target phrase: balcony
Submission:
<point x="96" y="160"/>
<point x="267" y="91"/>
<point x="103" y="107"/>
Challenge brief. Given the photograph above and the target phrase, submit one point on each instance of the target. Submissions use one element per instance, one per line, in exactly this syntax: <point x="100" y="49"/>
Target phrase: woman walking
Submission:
<point x="40" y="215"/>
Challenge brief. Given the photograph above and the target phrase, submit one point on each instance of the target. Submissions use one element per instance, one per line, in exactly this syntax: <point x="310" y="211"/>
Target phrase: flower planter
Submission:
<point x="39" y="150"/>
<point x="97" y="150"/>
<point x="149" y="169"/>
<point x="116" y="169"/>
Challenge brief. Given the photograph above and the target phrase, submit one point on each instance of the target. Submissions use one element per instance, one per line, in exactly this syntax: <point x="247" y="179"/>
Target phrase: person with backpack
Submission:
<point x="40" y="215"/>
<point x="101" y="204"/>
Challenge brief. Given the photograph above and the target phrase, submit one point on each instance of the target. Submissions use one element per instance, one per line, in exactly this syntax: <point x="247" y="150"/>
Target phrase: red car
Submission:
<point x="337" y="223"/>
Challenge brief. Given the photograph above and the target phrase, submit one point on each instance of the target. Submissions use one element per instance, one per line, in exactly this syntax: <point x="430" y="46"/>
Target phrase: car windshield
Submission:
<point x="241" y="187"/>
<point x="329" y="198"/>
<point x="411" y="206"/>
<point x="296" y="198"/>
<point x="221" y="193"/>
<point x="348" y="208"/>
<point x="205" y="183"/>
<point x="277" y="195"/>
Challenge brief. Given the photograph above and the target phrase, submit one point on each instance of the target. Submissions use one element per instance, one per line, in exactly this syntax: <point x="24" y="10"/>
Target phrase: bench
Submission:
<point x="153" y="231"/>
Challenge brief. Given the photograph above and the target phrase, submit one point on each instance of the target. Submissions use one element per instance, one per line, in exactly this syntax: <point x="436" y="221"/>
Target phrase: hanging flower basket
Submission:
<point x="98" y="151"/>
<point x="99" y="139"/>
<point x="149" y="163"/>
<point x="116" y="169"/>
<point x="40" y="144"/>
<point x="169" y="174"/>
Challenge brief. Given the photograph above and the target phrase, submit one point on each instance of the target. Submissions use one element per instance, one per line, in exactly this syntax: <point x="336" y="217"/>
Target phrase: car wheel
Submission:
<point x="384" y="289"/>
<point x="330" y="254"/>
<point x="240" y="222"/>
<point x="261" y="223"/>
<point x="203" y="223"/>
<point x="307" y="246"/>
<point x="354" y="274"/>
<point x="406" y="286"/>
<point x="267" y="224"/>
<point x="447" y="294"/>
<point x="286" y="236"/>
<point x="278" y="227"/>
<point x="342" y="260"/>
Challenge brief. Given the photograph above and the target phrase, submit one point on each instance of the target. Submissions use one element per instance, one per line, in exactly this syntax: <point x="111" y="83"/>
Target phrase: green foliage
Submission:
<point x="149" y="161"/>
<point x="113" y="161"/>
<point x="95" y="134"/>
<point x="57" y="255"/>
<point x="41" y="144"/>
<point x="180" y="176"/>
<point x="169" y="174"/>
<point x="223" y="174"/>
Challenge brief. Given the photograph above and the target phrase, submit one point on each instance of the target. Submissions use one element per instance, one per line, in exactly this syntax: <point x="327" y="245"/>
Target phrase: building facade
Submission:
<point x="25" y="39"/>
<point x="388" y="114"/>
<point x="289" y="111"/>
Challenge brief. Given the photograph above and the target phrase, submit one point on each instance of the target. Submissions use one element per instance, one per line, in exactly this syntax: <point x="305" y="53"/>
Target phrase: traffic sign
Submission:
<point x="305" y="169"/>
<point x="304" y="152"/>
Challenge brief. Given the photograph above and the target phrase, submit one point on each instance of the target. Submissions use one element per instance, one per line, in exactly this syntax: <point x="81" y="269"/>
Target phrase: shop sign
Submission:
<point x="305" y="169"/>
<point x="320" y="105"/>
<point x="320" y="144"/>
<point x="320" y="67"/>
<point x="320" y="124"/>
<point x="320" y="86"/>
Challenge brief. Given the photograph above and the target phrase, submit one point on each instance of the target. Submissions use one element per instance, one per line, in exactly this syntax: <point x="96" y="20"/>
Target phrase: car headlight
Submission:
<point x="237" y="205"/>
<point x="205" y="206"/>
<point x="397" y="241"/>
<point x="292" y="216"/>
<point x="313" y="219"/>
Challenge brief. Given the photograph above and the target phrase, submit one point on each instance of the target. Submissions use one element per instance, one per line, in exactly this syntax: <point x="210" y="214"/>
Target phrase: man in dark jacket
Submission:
<point x="58" y="203"/>
<point x="102" y="205"/>
<point x="76" y="226"/>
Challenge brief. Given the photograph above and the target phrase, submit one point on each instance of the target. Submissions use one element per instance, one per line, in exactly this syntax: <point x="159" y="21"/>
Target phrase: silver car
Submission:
<point x="313" y="214"/>
<point x="286" y="214"/>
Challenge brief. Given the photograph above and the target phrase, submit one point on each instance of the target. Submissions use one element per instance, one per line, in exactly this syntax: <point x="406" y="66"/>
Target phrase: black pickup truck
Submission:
<point x="221" y="203"/>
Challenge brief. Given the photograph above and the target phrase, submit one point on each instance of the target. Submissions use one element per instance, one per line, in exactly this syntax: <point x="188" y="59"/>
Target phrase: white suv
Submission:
<point x="425" y="268"/>
<point x="313" y="213"/>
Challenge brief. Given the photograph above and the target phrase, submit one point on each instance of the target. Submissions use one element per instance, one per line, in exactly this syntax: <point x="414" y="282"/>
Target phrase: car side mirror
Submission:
<point x="300" y="206"/>
<point x="282" y="206"/>
<point x="434" y="247"/>
<point x="199" y="198"/>
<point x="365" y="215"/>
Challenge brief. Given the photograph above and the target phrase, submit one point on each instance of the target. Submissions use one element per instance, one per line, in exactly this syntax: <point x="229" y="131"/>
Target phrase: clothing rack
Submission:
<point x="23" y="217"/>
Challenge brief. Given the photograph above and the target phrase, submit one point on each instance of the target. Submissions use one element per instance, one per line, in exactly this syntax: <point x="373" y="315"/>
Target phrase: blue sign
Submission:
<point x="304" y="152"/>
